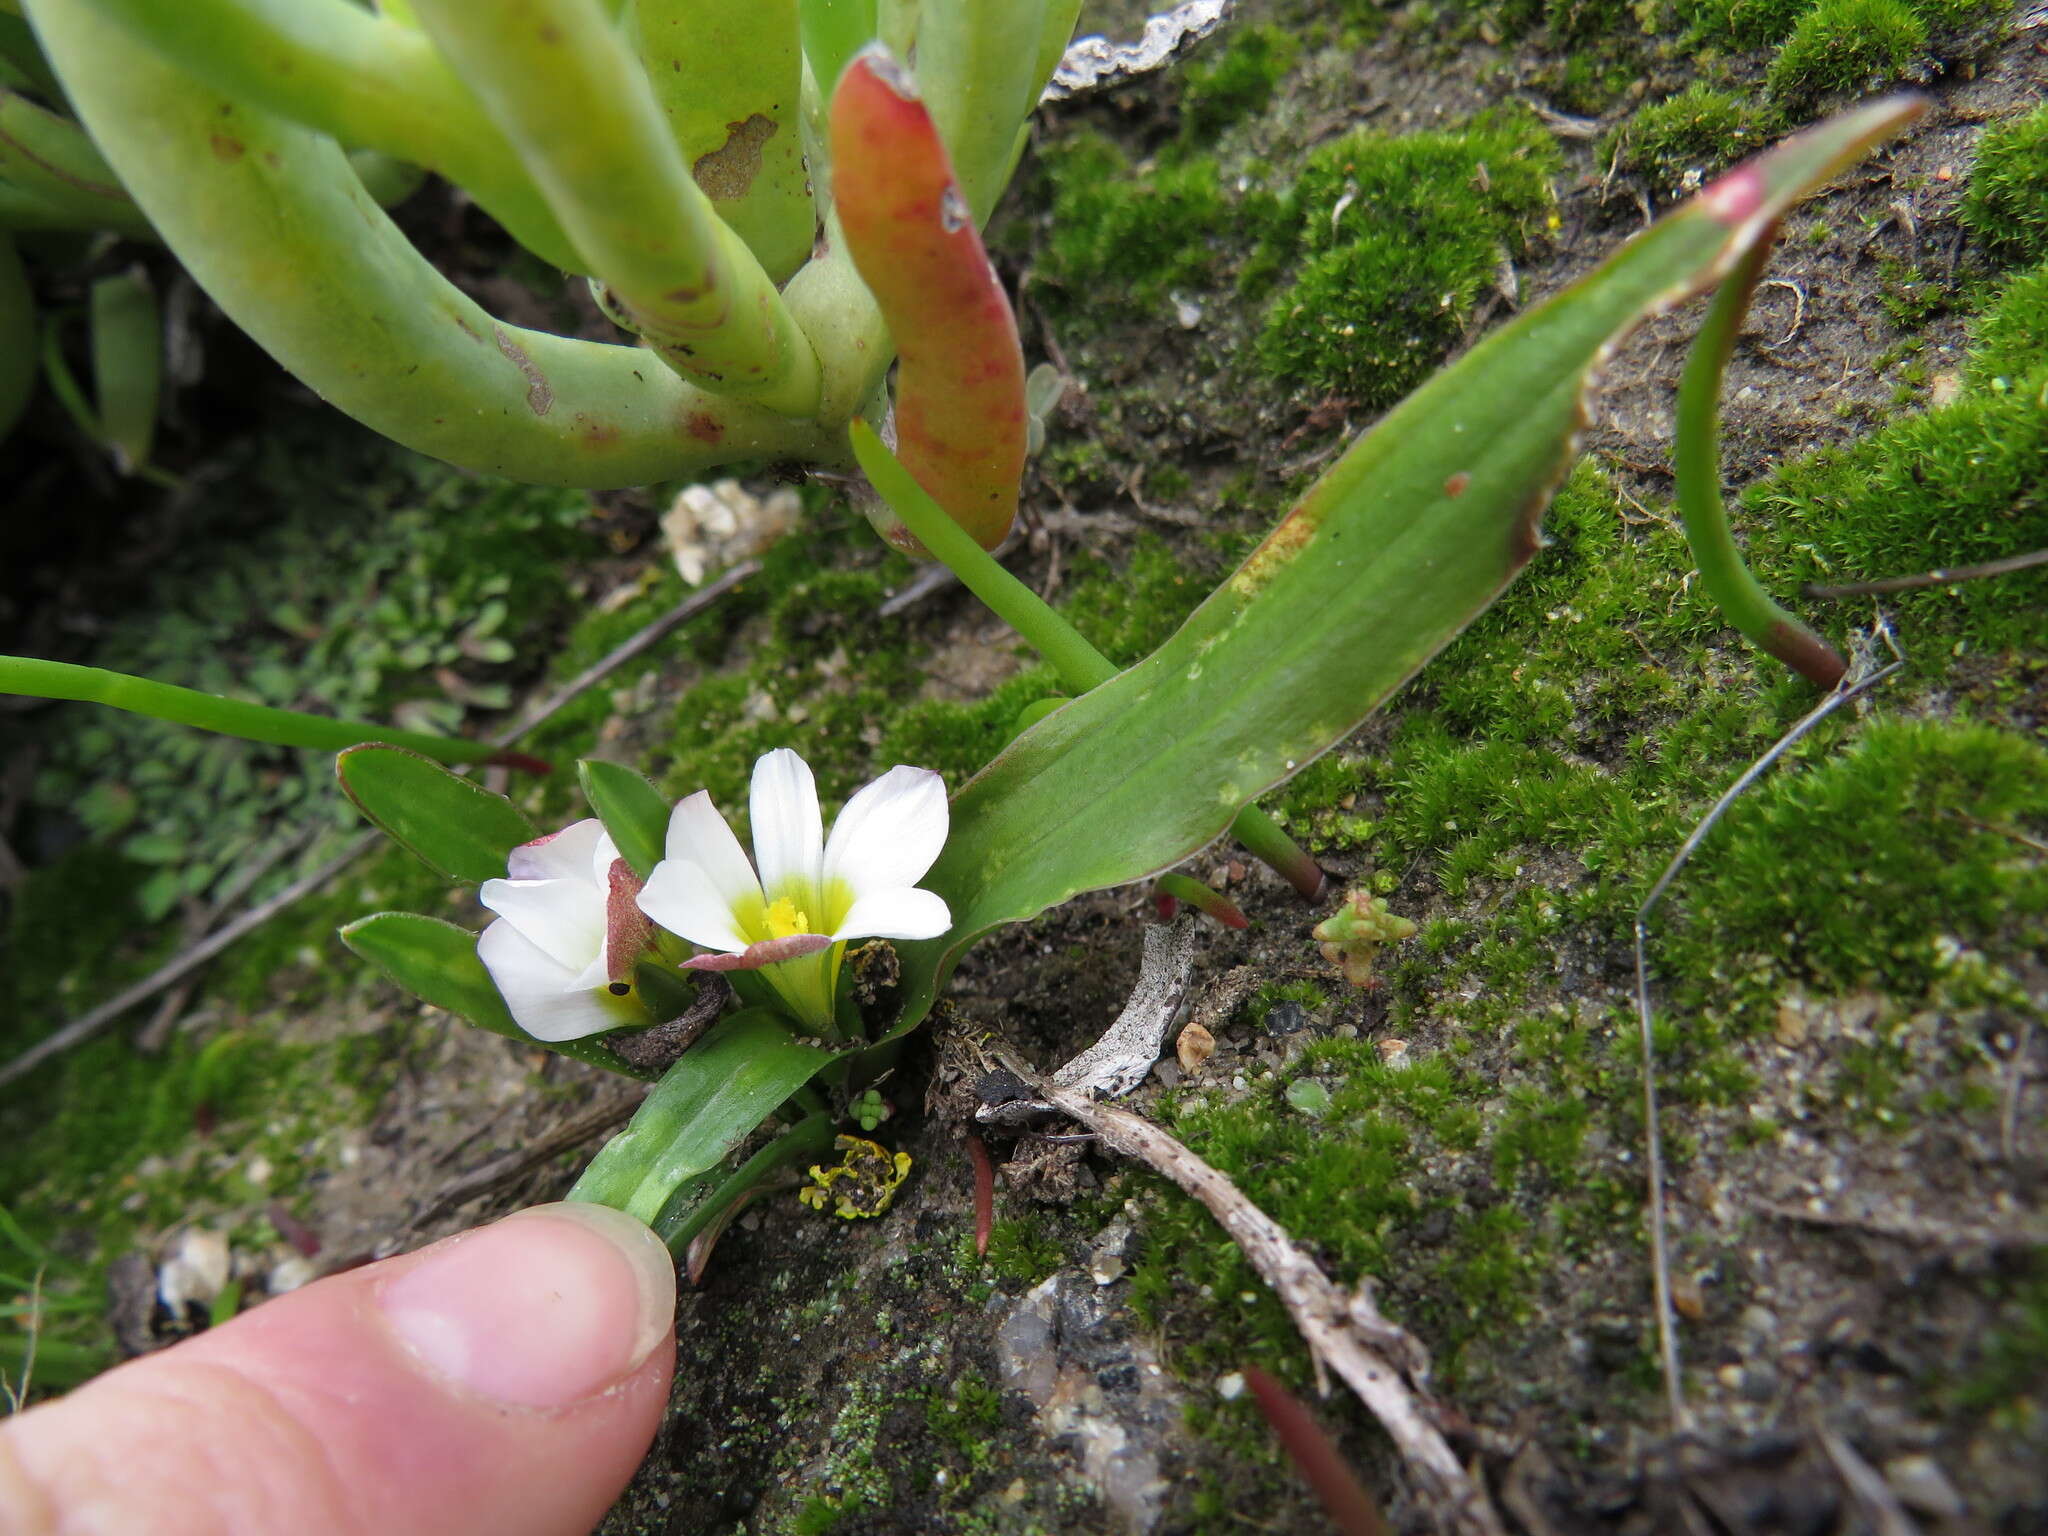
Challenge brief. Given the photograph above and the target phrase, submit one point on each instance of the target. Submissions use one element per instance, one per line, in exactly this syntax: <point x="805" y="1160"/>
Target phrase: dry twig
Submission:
<point x="183" y="964"/>
<point x="1941" y="578"/>
<point x="503" y="1172"/>
<point x="1345" y="1331"/>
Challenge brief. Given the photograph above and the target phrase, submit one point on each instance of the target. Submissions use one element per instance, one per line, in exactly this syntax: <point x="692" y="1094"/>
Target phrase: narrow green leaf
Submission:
<point x="456" y="828"/>
<point x="437" y="962"/>
<point x="1413" y="533"/>
<point x="833" y="32"/>
<point x="705" y="1105"/>
<point x="632" y="811"/>
<point x="127" y="365"/>
<point x="707" y="1197"/>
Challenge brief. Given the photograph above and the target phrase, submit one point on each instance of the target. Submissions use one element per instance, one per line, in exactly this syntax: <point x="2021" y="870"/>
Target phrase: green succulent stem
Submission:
<point x="566" y="89"/>
<point x="371" y="82"/>
<point x="1696" y="458"/>
<point x="210" y="712"/>
<point x="1080" y="666"/>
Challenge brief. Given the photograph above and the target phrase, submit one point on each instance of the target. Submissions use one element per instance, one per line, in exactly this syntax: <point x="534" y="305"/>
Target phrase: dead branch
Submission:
<point x="503" y="1172"/>
<point x="1346" y="1332"/>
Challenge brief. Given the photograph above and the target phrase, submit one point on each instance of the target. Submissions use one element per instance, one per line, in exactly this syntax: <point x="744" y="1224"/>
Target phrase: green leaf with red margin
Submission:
<point x="1412" y="534"/>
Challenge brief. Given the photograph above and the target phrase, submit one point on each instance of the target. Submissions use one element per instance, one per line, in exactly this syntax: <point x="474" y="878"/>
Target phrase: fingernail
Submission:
<point x="543" y="1309"/>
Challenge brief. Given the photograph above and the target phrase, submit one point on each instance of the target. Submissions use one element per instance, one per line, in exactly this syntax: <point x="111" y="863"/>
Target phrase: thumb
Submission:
<point x="506" y="1380"/>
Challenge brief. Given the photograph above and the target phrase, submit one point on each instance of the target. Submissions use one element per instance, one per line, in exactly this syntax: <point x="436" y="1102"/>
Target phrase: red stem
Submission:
<point x="984" y="1194"/>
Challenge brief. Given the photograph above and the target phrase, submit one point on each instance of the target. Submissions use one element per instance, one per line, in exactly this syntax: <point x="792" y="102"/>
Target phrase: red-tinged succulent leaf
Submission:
<point x="960" y="417"/>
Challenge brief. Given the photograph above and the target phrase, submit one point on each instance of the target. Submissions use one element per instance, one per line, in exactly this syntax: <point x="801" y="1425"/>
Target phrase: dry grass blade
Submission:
<point x="1860" y="680"/>
<point x="1940" y="578"/>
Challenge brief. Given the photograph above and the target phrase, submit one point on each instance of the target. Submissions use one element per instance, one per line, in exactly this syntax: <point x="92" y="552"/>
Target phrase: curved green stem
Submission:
<point x="561" y="83"/>
<point x="282" y="235"/>
<point x="1080" y="666"/>
<point x="211" y="712"/>
<point x="684" y="1217"/>
<point x="371" y="82"/>
<point x="1696" y="458"/>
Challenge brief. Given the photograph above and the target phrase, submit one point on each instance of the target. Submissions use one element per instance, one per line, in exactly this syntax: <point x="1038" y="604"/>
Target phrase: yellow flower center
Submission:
<point x="785" y="919"/>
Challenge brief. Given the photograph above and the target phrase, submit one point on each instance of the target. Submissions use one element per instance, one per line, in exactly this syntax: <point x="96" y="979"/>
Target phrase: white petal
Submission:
<point x="789" y="834"/>
<point x="698" y="835"/>
<point x="889" y="833"/>
<point x="563" y="918"/>
<point x="563" y="855"/>
<point x="904" y="913"/>
<point x="685" y="901"/>
<point x="538" y="990"/>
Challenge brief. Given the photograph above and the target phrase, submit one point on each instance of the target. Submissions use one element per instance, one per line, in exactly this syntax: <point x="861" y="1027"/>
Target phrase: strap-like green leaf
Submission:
<point x="632" y="811"/>
<point x="1412" y="534"/>
<point x="704" y="1106"/>
<point x="454" y="827"/>
<point x="438" y="962"/>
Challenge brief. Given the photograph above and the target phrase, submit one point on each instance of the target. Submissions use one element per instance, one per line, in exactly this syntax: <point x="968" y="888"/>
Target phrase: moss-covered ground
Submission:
<point x="1236" y="264"/>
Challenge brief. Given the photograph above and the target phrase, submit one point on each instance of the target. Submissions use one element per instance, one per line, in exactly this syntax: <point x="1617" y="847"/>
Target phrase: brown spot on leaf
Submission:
<point x="704" y="427"/>
<point x="727" y="171"/>
<point x="540" y="394"/>
<point x="228" y="149"/>
<point x="1457" y="485"/>
<point x="595" y="433"/>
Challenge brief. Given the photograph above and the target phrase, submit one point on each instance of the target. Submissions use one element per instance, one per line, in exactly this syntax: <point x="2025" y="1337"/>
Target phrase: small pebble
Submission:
<point x="1920" y="1482"/>
<point x="1231" y="1387"/>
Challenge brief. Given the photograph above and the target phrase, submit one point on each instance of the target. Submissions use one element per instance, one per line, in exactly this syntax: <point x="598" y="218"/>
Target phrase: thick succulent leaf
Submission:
<point x="724" y="1086"/>
<point x="960" y="417"/>
<point x="728" y="74"/>
<point x="437" y="962"/>
<point x="1408" y="537"/>
<point x="631" y="809"/>
<point x="456" y="828"/>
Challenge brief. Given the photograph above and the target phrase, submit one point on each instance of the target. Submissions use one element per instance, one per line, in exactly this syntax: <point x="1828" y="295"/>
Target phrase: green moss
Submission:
<point x="1304" y="994"/>
<point x="1899" y="847"/>
<point x="2009" y="341"/>
<point x="1119" y="239"/>
<point x="1952" y="487"/>
<point x="1689" y="137"/>
<point x="1746" y="23"/>
<point x="2006" y="206"/>
<point x="1401" y="236"/>
<point x="1024" y="1250"/>
<point x="963" y="1415"/>
<point x="1843" y="47"/>
<point x="1238" y="82"/>
<point x="2009" y="1364"/>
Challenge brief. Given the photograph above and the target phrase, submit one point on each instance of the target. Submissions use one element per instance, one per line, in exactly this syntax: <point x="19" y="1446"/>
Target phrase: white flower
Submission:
<point x="792" y="919"/>
<point x="567" y="935"/>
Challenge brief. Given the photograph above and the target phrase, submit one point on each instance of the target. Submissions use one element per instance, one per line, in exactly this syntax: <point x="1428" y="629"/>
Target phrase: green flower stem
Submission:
<point x="1080" y="666"/>
<point x="211" y="712"/>
<point x="50" y="158"/>
<point x="370" y="82"/>
<point x="281" y="234"/>
<point x="562" y="84"/>
<point x="728" y="76"/>
<point x="17" y="336"/>
<point x="809" y="1138"/>
<point x="1696" y="458"/>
